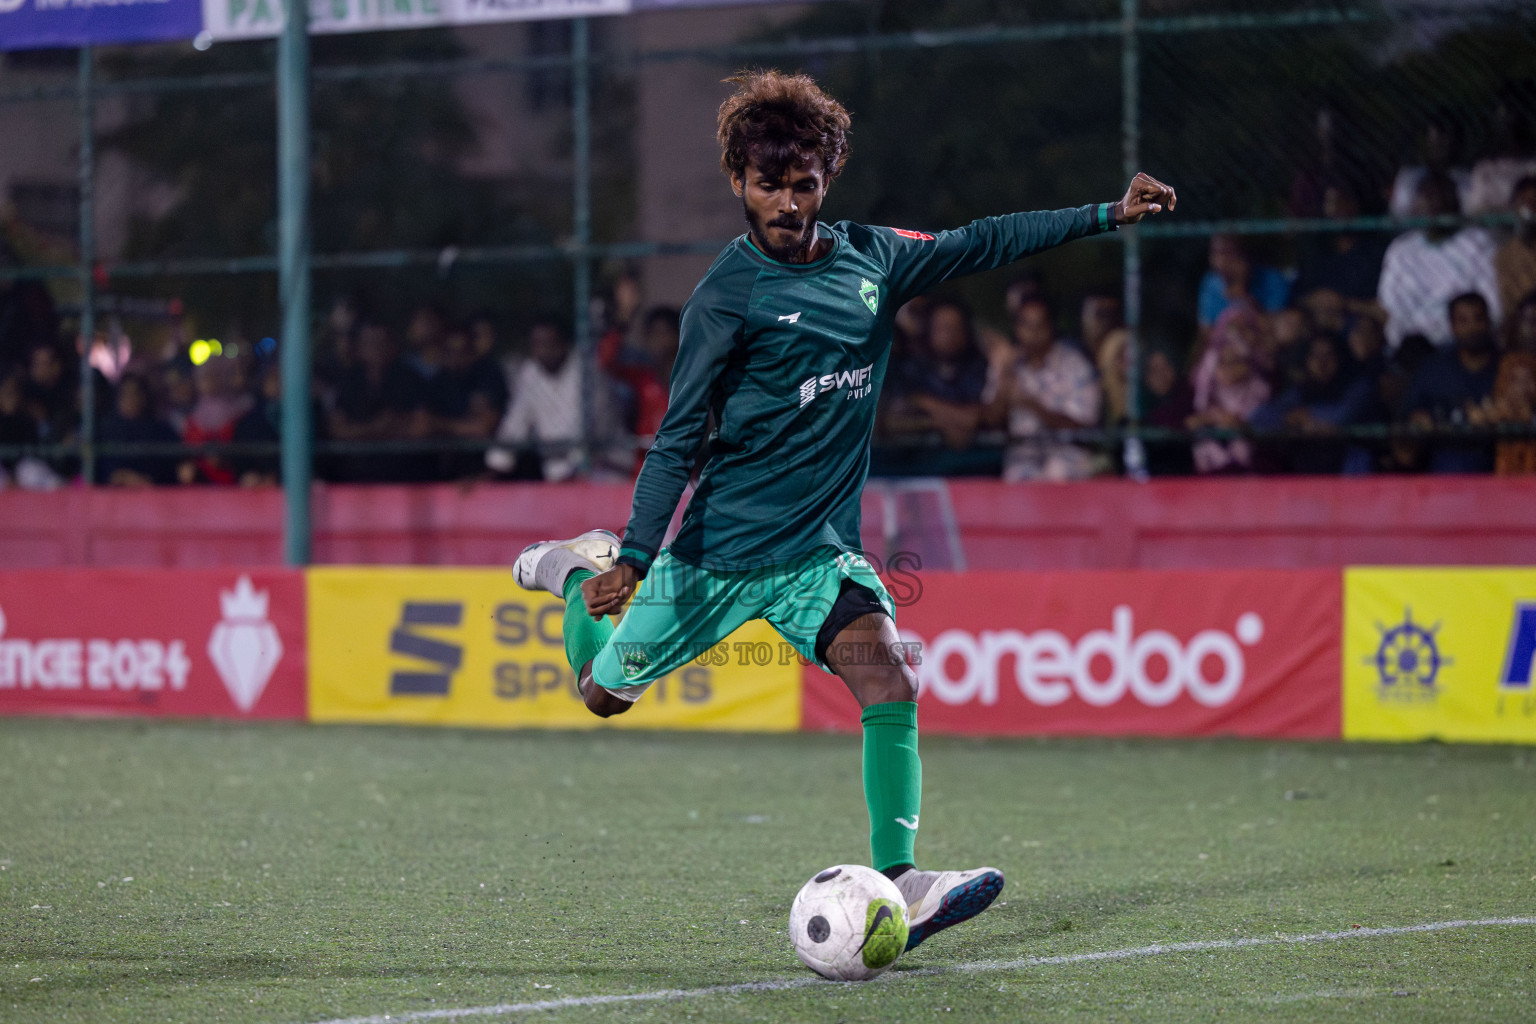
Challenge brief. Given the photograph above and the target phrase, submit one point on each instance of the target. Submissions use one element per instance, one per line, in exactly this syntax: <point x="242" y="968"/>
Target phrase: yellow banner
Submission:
<point x="469" y="647"/>
<point x="1440" y="653"/>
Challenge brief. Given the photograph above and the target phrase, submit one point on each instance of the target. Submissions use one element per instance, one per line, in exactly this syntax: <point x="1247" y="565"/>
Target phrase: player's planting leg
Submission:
<point x="869" y="657"/>
<point x="893" y="783"/>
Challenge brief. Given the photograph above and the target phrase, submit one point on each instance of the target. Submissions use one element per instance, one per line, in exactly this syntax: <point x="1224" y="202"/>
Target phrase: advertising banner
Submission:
<point x="1163" y="653"/>
<point x="36" y="24"/>
<point x="251" y="19"/>
<point x="1440" y="653"/>
<point x="469" y="647"/>
<point x="220" y="643"/>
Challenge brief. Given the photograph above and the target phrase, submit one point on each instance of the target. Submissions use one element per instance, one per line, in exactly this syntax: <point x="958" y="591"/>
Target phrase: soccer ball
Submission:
<point x="849" y="923"/>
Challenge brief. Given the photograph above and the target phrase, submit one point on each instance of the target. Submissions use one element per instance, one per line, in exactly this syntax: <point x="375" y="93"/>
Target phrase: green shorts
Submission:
<point x="681" y="611"/>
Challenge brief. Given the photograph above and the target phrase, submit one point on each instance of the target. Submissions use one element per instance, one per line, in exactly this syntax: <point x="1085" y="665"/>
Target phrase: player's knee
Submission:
<point x="604" y="704"/>
<point x="903" y="683"/>
<point x="599" y="701"/>
<point x="883" y="684"/>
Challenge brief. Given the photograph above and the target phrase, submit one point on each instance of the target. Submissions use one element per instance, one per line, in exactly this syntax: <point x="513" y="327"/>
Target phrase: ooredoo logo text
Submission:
<point x="1101" y="667"/>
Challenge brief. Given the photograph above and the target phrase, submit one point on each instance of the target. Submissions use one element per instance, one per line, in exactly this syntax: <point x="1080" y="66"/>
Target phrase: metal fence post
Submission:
<point x="1130" y="242"/>
<point x="293" y="254"/>
<point x="581" y="209"/>
<point x="87" y="212"/>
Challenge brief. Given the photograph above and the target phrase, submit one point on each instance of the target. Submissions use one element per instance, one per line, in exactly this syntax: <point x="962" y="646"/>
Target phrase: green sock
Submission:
<point x="893" y="781"/>
<point x="584" y="635"/>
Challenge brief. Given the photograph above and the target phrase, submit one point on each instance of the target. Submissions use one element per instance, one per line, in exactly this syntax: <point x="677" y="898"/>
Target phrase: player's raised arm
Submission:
<point x="920" y="261"/>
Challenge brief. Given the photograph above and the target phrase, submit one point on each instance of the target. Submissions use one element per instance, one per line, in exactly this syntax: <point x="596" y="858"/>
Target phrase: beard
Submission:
<point x="794" y="251"/>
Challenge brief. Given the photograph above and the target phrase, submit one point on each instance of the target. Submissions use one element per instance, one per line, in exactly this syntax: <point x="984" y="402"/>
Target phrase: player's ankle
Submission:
<point x="896" y="872"/>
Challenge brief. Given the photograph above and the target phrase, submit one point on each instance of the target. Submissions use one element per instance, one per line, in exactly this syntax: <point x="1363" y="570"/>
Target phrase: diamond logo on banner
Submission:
<point x="244" y="646"/>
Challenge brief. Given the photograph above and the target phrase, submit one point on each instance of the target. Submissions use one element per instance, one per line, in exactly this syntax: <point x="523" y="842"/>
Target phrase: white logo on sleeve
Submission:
<point x="245" y="647"/>
<point x="791" y="317"/>
<point x="904" y="823"/>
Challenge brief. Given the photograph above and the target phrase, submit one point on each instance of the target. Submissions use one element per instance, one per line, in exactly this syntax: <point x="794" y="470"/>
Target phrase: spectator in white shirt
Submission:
<point x="1511" y="154"/>
<point x="1043" y="384"/>
<point x="1424" y="270"/>
<point x="1439" y="141"/>
<point x="560" y="406"/>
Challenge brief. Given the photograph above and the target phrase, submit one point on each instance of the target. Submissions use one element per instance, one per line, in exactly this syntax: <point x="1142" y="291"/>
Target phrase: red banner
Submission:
<point x="1164" y="653"/>
<point x="222" y="643"/>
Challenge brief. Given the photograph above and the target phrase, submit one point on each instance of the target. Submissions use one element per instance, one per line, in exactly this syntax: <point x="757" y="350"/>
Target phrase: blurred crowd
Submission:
<point x="433" y="399"/>
<point x="1433" y="328"/>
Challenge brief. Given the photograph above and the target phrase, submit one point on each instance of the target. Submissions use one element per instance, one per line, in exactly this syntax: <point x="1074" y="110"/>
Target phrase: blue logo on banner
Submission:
<point x="1521" y="651"/>
<point x="38" y="24"/>
<point x="1408" y="662"/>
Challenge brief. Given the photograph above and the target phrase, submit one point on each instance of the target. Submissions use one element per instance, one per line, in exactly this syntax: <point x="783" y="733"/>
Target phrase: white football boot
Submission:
<point x="938" y="899"/>
<point x="545" y="565"/>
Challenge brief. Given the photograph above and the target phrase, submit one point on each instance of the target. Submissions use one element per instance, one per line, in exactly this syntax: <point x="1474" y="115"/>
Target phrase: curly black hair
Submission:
<point x="775" y="120"/>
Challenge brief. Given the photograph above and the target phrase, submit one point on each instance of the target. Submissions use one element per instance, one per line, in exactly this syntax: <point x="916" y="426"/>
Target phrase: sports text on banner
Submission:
<point x="469" y="647"/>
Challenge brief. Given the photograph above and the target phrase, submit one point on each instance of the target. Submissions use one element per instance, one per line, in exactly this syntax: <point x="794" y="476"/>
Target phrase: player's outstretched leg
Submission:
<point x="938" y="899"/>
<point x="560" y="566"/>
<point x="893" y="774"/>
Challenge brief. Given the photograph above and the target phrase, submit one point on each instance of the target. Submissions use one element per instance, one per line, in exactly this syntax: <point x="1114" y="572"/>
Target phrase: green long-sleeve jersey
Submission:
<point x="790" y="358"/>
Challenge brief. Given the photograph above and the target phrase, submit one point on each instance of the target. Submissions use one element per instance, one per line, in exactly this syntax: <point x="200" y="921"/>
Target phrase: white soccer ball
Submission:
<point x="849" y="923"/>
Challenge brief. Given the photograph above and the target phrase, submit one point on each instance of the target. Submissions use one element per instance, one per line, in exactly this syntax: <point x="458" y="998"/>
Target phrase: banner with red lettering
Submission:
<point x="223" y="643"/>
<point x="1154" y="653"/>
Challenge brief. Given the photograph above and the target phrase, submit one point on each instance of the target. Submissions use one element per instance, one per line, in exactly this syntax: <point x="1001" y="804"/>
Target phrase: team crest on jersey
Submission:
<point x="870" y="293"/>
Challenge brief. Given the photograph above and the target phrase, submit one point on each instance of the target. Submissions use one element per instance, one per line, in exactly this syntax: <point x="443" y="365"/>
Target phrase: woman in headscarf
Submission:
<point x="1229" y="388"/>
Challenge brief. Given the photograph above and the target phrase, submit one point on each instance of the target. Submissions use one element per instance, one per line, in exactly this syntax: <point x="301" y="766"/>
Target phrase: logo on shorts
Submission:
<point x="870" y="293"/>
<point x="633" y="662"/>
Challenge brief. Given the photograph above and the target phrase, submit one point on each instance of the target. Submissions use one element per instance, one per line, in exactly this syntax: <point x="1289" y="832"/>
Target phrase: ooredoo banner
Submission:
<point x="469" y="647"/>
<point x="227" y="644"/>
<point x="1162" y="653"/>
<point x="1440" y="653"/>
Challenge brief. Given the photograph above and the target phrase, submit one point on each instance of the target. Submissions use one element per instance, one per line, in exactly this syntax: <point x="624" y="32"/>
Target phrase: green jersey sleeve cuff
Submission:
<point x="1104" y="216"/>
<point x="637" y="557"/>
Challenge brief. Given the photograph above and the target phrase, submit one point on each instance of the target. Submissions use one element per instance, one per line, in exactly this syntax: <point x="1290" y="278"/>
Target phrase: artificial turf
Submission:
<point x="163" y="871"/>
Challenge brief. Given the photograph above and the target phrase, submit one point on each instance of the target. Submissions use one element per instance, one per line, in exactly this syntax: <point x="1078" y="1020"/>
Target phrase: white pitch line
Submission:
<point x="661" y="995"/>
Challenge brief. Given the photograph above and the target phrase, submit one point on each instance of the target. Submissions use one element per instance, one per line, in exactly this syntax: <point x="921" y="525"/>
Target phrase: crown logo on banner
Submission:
<point x="245" y="647"/>
<point x="244" y="602"/>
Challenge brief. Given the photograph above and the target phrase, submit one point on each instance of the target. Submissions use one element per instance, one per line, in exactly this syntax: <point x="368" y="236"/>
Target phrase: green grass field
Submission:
<point x="292" y="874"/>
